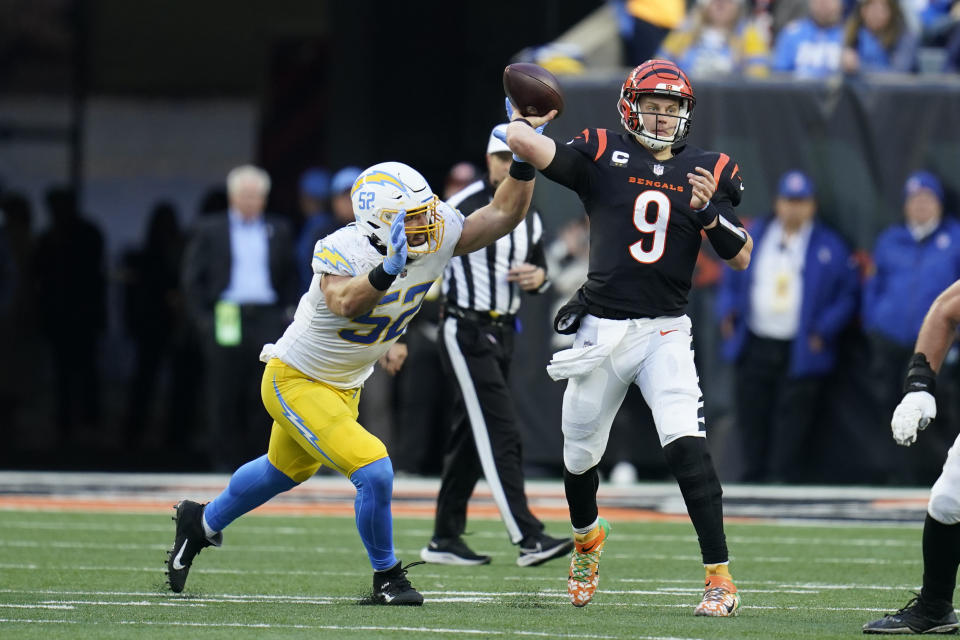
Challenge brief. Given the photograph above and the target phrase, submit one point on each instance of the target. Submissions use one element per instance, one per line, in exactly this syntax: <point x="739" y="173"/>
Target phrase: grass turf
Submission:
<point x="93" y="575"/>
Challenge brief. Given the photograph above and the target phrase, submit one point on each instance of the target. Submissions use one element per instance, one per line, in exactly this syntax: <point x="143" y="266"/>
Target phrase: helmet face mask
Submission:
<point x="663" y="79"/>
<point x="385" y="189"/>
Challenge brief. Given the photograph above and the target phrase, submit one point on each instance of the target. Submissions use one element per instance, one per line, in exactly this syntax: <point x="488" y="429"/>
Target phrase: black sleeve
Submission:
<point x="571" y="168"/>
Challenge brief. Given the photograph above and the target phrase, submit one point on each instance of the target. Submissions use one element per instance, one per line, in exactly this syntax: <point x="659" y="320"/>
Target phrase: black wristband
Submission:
<point x="726" y="239"/>
<point x="524" y="121"/>
<point x="920" y="376"/>
<point x="522" y="171"/>
<point x="380" y="279"/>
<point x="707" y="214"/>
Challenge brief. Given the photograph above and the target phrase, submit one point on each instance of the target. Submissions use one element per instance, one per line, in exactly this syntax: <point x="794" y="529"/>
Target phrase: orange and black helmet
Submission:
<point x="660" y="78"/>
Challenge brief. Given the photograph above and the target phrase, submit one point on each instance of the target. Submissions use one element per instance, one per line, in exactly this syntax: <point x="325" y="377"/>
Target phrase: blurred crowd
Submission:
<point x="800" y="356"/>
<point x="760" y="38"/>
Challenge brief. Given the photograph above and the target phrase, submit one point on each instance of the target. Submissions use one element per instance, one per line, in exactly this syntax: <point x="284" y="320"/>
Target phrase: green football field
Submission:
<point x="95" y="575"/>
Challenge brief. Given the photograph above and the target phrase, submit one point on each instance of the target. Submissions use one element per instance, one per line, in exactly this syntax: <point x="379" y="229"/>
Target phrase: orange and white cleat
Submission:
<point x="720" y="598"/>
<point x="585" y="564"/>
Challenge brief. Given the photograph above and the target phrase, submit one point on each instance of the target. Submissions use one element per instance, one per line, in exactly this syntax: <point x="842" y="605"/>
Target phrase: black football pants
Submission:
<point x="486" y="440"/>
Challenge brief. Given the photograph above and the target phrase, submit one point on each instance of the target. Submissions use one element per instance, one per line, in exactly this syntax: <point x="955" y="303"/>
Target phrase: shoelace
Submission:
<point x="583" y="564"/>
<point x="715" y="594"/>
<point x="401" y="581"/>
<point x="914" y="601"/>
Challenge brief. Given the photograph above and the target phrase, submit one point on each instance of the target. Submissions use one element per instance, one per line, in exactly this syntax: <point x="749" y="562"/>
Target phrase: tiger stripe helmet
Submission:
<point x="660" y="78"/>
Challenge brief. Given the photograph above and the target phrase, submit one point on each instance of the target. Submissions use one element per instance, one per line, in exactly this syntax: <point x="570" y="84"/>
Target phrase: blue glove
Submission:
<point x="503" y="136"/>
<point x="510" y="117"/>
<point x="397" y="250"/>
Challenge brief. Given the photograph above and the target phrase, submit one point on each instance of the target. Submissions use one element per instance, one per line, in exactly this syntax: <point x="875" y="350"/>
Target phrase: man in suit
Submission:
<point x="239" y="280"/>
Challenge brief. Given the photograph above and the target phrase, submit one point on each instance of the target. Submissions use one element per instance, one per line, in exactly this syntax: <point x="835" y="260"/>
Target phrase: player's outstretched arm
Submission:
<point x="940" y="326"/>
<point x="529" y="145"/>
<point x="919" y="406"/>
<point x="511" y="200"/>
<point x="351" y="296"/>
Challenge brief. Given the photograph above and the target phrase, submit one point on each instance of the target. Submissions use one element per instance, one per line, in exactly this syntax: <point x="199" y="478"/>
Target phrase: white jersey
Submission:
<point x="342" y="351"/>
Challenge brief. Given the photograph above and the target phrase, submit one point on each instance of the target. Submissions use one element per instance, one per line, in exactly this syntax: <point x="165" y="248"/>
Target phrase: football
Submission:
<point x="533" y="89"/>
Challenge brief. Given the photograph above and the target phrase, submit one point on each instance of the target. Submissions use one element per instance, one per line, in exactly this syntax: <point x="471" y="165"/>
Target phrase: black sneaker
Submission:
<point x="392" y="587"/>
<point x="914" y="618"/>
<point x="451" y="551"/>
<point x="189" y="540"/>
<point x="538" y="549"/>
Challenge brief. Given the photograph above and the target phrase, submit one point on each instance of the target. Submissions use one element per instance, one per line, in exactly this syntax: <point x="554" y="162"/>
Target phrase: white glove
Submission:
<point x="915" y="411"/>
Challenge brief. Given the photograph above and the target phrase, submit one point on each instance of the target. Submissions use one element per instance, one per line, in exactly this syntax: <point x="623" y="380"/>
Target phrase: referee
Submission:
<point x="482" y="295"/>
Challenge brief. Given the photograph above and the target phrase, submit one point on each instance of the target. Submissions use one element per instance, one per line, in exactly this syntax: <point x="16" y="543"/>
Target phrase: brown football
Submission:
<point x="532" y="88"/>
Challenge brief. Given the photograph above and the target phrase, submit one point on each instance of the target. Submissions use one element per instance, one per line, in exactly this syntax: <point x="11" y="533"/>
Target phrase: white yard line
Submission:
<point x="433" y="597"/>
<point x="340" y="628"/>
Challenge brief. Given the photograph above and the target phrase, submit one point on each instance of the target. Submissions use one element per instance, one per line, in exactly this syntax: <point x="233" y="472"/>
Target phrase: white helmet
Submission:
<point x="386" y="188"/>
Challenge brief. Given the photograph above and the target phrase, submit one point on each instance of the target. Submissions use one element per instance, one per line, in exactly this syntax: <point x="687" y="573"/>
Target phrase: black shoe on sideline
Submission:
<point x="452" y="551"/>
<point x="536" y="550"/>
<point x="915" y="617"/>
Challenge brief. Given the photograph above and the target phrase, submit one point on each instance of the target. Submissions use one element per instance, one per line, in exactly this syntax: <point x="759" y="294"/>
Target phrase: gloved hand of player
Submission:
<point x="397" y="250"/>
<point x="510" y="112"/>
<point x="914" y="412"/>
<point x="502" y="135"/>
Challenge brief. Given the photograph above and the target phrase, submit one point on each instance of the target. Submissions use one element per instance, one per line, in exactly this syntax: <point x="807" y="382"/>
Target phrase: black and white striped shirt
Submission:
<point x="478" y="280"/>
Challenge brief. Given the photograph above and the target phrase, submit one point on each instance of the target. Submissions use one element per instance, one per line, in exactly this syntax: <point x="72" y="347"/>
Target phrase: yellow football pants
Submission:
<point x="314" y="424"/>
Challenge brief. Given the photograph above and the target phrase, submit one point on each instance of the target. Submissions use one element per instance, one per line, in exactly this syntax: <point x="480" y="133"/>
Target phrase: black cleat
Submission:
<point x="392" y="587"/>
<point x="915" y="617"/>
<point x="189" y="540"/>
<point x="451" y="551"/>
<point x="538" y="549"/>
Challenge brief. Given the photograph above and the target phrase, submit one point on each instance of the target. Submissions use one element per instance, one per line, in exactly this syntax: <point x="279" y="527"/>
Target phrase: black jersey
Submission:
<point x="644" y="236"/>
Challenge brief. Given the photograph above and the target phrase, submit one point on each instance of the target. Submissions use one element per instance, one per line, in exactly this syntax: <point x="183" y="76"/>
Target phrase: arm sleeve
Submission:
<point x="573" y="163"/>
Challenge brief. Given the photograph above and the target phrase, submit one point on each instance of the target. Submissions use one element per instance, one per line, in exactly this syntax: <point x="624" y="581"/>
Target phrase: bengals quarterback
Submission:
<point x="650" y="198"/>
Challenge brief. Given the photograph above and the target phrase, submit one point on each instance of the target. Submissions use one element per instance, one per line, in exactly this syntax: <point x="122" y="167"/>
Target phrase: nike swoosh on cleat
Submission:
<point x="588" y="549"/>
<point x="176" y="559"/>
<point x="663" y="333"/>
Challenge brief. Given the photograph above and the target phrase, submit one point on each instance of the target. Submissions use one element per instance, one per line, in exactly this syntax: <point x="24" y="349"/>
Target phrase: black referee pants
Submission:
<point x="486" y="440"/>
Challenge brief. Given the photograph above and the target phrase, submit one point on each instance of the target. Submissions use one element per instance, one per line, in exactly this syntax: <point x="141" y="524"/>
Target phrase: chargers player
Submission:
<point x="931" y="611"/>
<point x="369" y="280"/>
<point x="649" y="196"/>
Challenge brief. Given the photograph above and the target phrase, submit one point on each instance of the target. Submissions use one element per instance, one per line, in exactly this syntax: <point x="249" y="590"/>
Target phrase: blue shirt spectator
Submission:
<point x="877" y="38"/>
<point x="249" y="267"/>
<point x="811" y="47"/>
<point x="915" y="261"/>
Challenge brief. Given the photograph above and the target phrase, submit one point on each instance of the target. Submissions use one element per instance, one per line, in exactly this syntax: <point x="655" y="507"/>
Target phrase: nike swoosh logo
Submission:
<point x="589" y="549"/>
<point x="176" y="559"/>
<point x="663" y="333"/>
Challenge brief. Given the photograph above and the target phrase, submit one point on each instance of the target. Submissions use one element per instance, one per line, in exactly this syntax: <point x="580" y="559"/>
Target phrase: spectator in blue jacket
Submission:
<point x="810" y="47"/>
<point x="914" y="262"/>
<point x="780" y="320"/>
<point x="876" y="38"/>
